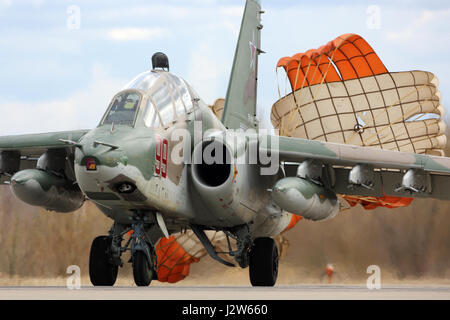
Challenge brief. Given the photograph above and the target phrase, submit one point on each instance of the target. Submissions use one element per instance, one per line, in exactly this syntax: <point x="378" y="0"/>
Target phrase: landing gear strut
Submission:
<point x="143" y="255"/>
<point x="106" y="252"/>
<point x="263" y="262"/>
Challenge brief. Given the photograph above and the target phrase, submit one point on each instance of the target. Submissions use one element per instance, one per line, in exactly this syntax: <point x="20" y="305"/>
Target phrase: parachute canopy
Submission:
<point x="217" y="107"/>
<point x="177" y="253"/>
<point x="343" y="93"/>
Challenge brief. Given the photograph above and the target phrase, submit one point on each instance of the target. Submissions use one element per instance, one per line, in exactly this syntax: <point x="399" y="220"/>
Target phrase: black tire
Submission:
<point x="263" y="263"/>
<point x="101" y="271"/>
<point x="142" y="272"/>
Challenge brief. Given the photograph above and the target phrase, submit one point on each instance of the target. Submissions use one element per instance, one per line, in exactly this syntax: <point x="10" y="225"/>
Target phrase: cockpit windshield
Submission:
<point x="123" y="109"/>
<point x="161" y="96"/>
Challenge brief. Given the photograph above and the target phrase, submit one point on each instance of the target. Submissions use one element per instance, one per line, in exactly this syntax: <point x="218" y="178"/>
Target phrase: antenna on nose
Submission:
<point x="160" y="61"/>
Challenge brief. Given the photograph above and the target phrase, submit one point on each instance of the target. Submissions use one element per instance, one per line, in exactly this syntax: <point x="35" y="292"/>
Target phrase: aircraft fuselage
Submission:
<point x="125" y="169"/>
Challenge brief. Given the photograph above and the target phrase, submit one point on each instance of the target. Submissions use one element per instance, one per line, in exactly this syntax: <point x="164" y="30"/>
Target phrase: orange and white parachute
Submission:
<point x="179" y="251"/>
<point x="343" y="93"/>
<point x="217" y="107"/>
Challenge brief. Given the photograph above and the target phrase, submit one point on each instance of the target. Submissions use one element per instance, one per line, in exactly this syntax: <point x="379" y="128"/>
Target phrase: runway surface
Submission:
<point x="323" y="292"/>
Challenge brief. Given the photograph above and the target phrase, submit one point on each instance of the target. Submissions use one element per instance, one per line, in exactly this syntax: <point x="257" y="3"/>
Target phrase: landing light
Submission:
<point x="126" y="187"/>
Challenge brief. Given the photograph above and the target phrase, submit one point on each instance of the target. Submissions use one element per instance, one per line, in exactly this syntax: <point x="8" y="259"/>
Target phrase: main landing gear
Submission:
<point x="261" y="255"/>
<point x="106" y="252"/>
<point x="263" y="262"/>
<point x="101" y="269"/>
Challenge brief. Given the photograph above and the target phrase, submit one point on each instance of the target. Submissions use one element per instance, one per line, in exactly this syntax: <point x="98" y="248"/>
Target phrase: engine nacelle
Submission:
<point x="40" y="188"/>
<point x="215" y="171"/>
<point x="221" y="178"/>
<point x="213" y="177"/>
<point x="305" y="198"/>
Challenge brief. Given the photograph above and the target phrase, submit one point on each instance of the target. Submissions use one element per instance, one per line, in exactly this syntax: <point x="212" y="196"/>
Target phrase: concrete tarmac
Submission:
<point x="306" y="292"/>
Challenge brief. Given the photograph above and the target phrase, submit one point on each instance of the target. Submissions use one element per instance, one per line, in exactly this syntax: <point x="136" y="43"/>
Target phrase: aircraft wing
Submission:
<point x="389" y="167"/>
<point x="31" y="146"/>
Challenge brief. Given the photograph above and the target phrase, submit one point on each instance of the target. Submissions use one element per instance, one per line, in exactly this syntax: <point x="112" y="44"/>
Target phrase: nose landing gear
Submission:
<point x="106" y="251"/>
<point x="142" y="270"/>
<point x="143" y="255"/>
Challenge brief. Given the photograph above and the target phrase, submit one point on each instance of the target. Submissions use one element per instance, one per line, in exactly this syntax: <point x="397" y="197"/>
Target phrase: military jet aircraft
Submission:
<point x="160" y="161"/>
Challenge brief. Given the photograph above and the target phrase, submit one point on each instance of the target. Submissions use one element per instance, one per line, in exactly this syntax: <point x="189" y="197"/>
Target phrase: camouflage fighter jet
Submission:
<point x="160" y="161"/>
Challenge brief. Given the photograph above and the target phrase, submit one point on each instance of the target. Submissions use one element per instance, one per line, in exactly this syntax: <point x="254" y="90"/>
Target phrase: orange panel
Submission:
<point x="370" y="203"/>
<point x="294" y="219"/>
<point x="351" y="54"/>
<point x="173" y="261"/>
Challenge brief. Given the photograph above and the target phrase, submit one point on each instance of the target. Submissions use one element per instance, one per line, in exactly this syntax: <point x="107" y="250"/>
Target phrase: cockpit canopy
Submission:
<point x="157" y="98"/>
<point x="123" y="109"/>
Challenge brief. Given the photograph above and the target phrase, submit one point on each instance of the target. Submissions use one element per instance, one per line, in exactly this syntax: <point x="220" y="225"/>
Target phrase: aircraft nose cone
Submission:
<point x="93" y="155"/>
<point x="16" y="182"/>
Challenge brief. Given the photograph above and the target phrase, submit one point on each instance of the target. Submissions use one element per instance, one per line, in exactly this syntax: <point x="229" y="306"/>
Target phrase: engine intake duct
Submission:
<point x="211" y="165"/>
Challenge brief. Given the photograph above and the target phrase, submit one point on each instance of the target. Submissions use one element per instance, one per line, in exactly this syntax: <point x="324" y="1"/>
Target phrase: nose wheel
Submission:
<point x="143" y="255"/>
<point x="102" y="271"/>
<point x="142" y="271"/>
<point x="263" y="262"/>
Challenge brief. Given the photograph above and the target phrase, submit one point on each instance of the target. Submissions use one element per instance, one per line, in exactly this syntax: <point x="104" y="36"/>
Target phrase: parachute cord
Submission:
<point x="319" y="87"/>
<point x="426" y="136"/>
<point x="313" y="95"/>
<point x="286" y="84"/>
<point x="423" y="139"/>
<point x="167" y="244"/>
<point x="296" y="76"/>
<point x="278" y="83"/>
<point x="317" y="90"/>
<point x="361" y="198"/>
<point x="395" y="121"/>
<point x="325" y="76"/>
<point x="291" y="112"/>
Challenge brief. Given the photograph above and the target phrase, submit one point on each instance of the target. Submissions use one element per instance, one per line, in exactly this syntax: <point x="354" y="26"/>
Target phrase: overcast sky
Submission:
<point x="62" y="61"/>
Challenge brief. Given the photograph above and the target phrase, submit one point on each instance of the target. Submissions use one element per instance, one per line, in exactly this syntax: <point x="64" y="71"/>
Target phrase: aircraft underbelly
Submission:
<point x="181" y="204"/>
<point x="243" y="199"/>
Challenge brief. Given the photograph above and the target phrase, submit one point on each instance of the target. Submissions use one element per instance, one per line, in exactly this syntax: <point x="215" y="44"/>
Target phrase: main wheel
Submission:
<point x="263" y="262"/>
<point x="142" y="271"/>
<point x="101" y="271"/>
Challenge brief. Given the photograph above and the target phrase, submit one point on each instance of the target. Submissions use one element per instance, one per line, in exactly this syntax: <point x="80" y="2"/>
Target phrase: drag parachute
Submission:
<point x="176" y="253"/>
<point x="217" y="107"/>
<point x="343" y="93"/>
